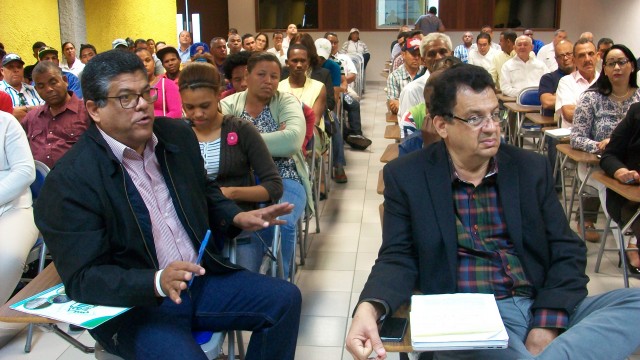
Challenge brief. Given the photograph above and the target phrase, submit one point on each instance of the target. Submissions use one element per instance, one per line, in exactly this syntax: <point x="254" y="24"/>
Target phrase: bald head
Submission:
<point x="564" y="56"/>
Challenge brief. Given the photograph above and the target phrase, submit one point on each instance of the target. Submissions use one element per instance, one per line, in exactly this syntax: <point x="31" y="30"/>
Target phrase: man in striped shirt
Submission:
<point x="23" y="96"/>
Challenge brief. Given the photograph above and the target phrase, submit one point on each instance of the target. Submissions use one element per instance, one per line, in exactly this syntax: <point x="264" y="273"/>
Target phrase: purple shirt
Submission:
<point x="169" y="236"/>
<point x="51" y="136"/>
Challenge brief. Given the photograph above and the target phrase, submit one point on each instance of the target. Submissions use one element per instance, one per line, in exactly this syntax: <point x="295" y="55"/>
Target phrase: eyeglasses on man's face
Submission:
<point x="131" y="100"/>
<point x="476" y="121"/>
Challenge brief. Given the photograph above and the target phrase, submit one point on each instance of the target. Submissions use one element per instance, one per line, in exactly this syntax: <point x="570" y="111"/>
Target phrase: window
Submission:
<point x="395" y="13"/>
<point x="278" y="14"/>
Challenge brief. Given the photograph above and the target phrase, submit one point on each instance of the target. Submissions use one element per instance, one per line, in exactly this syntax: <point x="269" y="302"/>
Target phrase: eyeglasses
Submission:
<point x="613" y="63"/>
<point x="477" y="122"/>
<point x="564" y="56"/>
<point x="129" y="101"/>
<point x="23" y="99"/>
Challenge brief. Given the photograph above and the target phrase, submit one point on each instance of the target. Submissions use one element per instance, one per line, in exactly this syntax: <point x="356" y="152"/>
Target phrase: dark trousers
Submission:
<point x="353" y="115"/>
<point x="240" y="300"/>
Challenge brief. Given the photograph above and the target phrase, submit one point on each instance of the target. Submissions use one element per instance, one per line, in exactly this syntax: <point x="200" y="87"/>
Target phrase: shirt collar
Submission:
<point x="119" y="149"/>
<point x="579" y="78"/>
<point x="72" y="105"/>
<point x="492" y="169"/>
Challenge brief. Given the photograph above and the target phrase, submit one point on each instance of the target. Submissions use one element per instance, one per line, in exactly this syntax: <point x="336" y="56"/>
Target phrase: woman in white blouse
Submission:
<point x="18" y="231"/>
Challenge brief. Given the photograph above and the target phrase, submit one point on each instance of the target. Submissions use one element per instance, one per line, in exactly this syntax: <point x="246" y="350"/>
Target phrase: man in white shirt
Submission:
<point x="433" y="47"/>
<point x="484" y="53"/>
<point x="292" y="30"/>
<point x="23" y="96"/>
<point x="523" y="70"/>
<point x="547" y="54"/>
<point x="185" y="41"/>
<point x="507" y="44"/>
<point x="571" y="86"/>
<point x="487" y="30"/>
<point x="277" y="49"/>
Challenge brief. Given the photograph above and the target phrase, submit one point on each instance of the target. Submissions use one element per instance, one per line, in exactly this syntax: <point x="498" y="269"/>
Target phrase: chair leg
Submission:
<point x="240" y="344"/>
<point x="623" y="258"/>
<point x="231" y="345"/>
<point x="27" y="345"/>
<point x="602" y="244"/>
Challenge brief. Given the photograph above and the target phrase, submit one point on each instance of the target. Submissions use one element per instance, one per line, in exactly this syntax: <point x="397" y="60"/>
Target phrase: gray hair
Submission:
<point x="433" y="37"/>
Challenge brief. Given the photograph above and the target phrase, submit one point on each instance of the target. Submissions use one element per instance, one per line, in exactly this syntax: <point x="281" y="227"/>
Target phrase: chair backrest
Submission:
<point x="41" y="173"/>
<point x="529" y="96"/>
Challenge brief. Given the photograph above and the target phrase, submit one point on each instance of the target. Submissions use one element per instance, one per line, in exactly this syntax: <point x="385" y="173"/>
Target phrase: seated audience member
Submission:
<point x="603" y="44"/>
<point x="403" y="28"/>
<point x="168" y="103"/>
<point x="54" y="127"/>
<point x="483" y="54"/>
<point x="600" y="109"/>
<point x="262" y="42"/>
<point x="279" y="118"/>
<point x="29" y="68"/>
<point x="234" y="153"/>
<point x="171" y="62"/>
<point x="19" y="232"/>
<point x="354" y="45"/>
<point x="399" y="60"/>
<point x="353" y="132"/>
<point x="407" y="72"/>
<point x="433" y="48"/>
<point x="160" y="45"/>
<point x="51" y="54"/>
<point x="234" y="42"/>
<point x="537" y="44"/>
<point x="292" y="31"/>
<point x="462" y="51"/>
<point x="218" y="50"/>
<point x="621" y="161"/>
<point x="486" y="29"/>
<point x="144" y="44"/>
<point x="323" y="51"/>
<point x="507" y="45"/>
<point x="548" y="87"/>
<point x="115" y="192"/>
<point x="431" y="243"/>
<point x="200" y="52"/>
<point x="573" y="85"/>
<point x="70" y="63"/>
<point x="235" y="68"/>
<point x="522" y="70"/>
<point x="184" y="42"/>
<point x="277" y="48"/>
<point x="23" y="96"/>
<point x="586" y="35"/>
<point x="547" y="55"/>
<point x="5" y="103"/>
<point x="248" y="42"/>
<point x="396" y="49"/>
<point x="87" y="52"/>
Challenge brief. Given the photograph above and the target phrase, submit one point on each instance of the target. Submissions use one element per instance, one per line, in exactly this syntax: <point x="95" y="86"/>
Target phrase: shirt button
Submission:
<point x="473" y="196"/>
<point x="475" y="227"/>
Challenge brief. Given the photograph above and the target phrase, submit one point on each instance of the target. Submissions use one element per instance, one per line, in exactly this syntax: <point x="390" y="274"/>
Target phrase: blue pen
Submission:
<point x="200" y="254"/>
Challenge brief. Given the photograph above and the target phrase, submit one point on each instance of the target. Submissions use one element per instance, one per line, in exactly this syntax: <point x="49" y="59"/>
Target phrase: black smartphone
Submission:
<point x="393" y="329"/>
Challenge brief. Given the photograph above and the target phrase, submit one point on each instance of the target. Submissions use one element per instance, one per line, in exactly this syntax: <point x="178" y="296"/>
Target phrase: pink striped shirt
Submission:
<point x="169" y="236"/>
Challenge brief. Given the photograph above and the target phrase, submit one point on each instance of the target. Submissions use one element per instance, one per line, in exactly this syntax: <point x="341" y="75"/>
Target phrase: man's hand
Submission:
<point x="262" y="218"/>
<point x="394" y="106"/>
<point x="627" y="176"/>
<point x="175" y="277"/>
<point x="539" y="338"/>
<point x="363" y="336"/>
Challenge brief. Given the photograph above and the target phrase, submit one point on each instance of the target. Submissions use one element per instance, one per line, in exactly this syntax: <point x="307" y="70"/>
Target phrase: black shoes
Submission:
<point x="358" y="142"/>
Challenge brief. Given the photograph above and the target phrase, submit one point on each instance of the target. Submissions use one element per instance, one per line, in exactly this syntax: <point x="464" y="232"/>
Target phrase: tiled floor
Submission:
<point x="339" y="260"/>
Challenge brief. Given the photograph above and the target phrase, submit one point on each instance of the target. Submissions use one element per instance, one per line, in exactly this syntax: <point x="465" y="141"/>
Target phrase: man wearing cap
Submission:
<point x="50" y="54"/>
<point x="405" y="73"/>
<point x="53" y="128"/>
<point x="120" y="44"/>
<point x="171" y="62"/>
<point x="23" y="96"/>
<point x="354" y="45"/>
<point x="185" y="41"/>
<point x="430" y="22"/>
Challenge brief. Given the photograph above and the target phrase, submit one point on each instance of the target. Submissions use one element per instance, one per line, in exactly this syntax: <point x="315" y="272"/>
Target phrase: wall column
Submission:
<point x="72" y="23"/>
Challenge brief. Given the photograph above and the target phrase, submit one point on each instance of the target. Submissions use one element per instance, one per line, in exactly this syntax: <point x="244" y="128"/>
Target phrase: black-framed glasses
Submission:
<point x="476" y="121"/>
<point x="613" y="63"/>
<point x="129" y="101"/>
<point x="567" y="55"/>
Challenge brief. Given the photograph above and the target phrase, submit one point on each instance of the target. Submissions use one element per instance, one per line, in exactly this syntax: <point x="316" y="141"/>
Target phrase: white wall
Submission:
<point x="613" y="19"/>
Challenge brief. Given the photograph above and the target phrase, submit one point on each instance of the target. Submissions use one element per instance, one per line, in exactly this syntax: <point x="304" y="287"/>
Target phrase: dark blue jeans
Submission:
<point x="240" y="300"/>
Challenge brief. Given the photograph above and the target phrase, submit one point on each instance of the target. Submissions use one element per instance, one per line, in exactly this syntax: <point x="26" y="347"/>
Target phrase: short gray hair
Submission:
<point x="433" y="37"/>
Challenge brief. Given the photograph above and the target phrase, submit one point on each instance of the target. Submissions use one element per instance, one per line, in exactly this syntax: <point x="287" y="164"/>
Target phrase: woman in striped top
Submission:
<point x="233" y="151"/>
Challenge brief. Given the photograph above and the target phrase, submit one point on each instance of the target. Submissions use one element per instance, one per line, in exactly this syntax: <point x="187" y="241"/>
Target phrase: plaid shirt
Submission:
<point x="397" y="81"/>
<point x="487" y="259"/>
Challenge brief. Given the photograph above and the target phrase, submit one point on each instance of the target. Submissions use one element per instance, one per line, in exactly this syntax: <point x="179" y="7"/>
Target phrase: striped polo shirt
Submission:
<point x="27" y="96"/>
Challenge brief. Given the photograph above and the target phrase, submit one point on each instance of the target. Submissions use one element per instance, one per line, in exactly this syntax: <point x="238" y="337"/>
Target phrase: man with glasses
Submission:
<point x="471" y="215"/>
<point x="124" y="213"/>
<point x="23" y="96"/>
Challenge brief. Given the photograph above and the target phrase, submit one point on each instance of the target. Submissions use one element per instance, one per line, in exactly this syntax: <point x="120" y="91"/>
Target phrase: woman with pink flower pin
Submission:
<point x="233" y="151"/>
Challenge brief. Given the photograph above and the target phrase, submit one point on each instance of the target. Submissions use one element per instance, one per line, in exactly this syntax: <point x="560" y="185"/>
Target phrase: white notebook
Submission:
<point x="456" y="322"/>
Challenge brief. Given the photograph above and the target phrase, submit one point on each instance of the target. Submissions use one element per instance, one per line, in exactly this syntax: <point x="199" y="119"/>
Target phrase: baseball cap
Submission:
<point x="412" y="44"/>
<point x="353" y="30"/>
<point x="119" y="42"/>
<point x="46" y="50"/>
<point x="166" y="50"/>
<point x="323" y="47"/>
<point x="11" y="58"/>
<point x="193" y="49"/>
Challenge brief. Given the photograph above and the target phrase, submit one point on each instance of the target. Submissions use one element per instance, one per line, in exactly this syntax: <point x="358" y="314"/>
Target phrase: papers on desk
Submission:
<point x="456" y="322"/>
<point x="558" y="133"/>
<point x="54" y="303"/>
